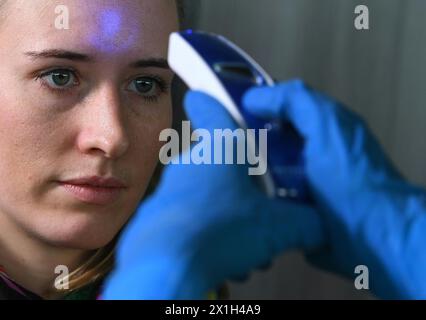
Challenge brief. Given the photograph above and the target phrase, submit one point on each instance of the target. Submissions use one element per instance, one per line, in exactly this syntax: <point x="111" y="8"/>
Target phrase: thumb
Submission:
<point x="205" y="112"/>
<point x="293" y="101"/>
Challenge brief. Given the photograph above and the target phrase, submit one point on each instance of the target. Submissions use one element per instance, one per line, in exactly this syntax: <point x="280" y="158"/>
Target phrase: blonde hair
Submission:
<point x="93" y="270"/>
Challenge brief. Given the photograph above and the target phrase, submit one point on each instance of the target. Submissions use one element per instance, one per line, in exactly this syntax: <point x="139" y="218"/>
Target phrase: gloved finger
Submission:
<point x="228" y="145"/>
<point x="321" y="121"/>
<point x="293" y="226"/>
<point x="205" y="112"/>
<point x="292" y="101"/>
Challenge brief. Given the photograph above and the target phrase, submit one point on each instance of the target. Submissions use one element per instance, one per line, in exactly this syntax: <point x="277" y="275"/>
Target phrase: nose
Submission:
<point x="103" y="130"/>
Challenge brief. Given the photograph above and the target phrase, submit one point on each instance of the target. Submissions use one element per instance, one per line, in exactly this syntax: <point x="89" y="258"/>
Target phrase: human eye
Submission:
<point x="60" y="79"/>
<point x="149" y="87"/>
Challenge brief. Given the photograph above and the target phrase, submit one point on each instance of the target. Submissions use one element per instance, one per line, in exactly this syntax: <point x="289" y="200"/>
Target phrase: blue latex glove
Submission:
<point x="371" y="215"/>
<point x="205" y="224"/>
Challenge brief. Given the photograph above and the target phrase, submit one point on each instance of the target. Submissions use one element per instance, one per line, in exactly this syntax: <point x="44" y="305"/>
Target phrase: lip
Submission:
<point x="97" y="181"/>
<point x="94" y="190"/>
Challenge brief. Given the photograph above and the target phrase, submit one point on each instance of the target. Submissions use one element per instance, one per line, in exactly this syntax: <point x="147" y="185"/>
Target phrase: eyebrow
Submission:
<point x="59" y="54"/>
<point x="75" y="56"/>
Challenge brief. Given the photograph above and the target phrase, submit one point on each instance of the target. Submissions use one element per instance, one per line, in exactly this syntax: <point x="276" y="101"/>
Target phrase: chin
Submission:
<point x="79" y="241"/>
<point x="82" y="242"/>
<point x="80" y="234"/>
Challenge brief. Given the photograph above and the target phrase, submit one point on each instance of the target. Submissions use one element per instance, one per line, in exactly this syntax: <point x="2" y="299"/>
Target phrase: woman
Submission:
<point x="82" y="109"/>
<point x="83" y="105"/>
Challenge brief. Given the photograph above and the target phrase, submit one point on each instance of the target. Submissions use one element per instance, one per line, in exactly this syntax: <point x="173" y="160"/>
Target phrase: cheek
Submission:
<point x="146" y="140"/>
<point x="31" y="146"/>
<point x="150" y="126"/>
<point x="26" y="139"/>
<point x="154" y="119"/>
<point x="21" y="140"/>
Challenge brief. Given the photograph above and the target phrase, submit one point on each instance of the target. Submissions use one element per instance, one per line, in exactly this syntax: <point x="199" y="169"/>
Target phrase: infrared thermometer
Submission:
<point x="214" y="65"/>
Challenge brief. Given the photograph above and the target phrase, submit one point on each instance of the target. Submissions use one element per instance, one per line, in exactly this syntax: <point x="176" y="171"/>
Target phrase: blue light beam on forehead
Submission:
<point x="113" y="33"/>
<point x="111" y="22"/>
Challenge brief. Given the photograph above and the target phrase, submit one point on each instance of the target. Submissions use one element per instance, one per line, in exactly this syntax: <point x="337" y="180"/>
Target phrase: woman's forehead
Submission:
<point x="101" y="26"/>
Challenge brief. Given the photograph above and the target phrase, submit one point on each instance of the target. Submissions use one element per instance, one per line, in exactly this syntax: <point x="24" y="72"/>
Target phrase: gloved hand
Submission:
<point x="205" y="224"/>
<point x="371" y="215"/>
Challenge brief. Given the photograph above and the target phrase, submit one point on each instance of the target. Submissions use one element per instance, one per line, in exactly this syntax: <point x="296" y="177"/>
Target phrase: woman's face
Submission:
<point x="90" y="100"/>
